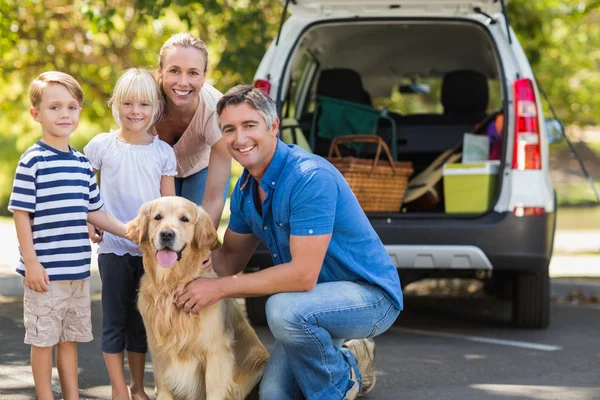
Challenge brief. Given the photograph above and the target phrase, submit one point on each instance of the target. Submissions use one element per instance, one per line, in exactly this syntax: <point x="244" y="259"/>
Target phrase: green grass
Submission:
<point x="575" y="194"/>
<point x="578" y="218"/>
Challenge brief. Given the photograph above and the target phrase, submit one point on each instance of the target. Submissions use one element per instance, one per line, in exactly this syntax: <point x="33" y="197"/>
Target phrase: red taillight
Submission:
<point x="526" y="152"/>
<point x="263" y="84"/>
<point x="528" y="211"/>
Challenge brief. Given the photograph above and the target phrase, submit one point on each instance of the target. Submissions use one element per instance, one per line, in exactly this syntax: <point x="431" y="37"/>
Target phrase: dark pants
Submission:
<point x="122" y="324"/>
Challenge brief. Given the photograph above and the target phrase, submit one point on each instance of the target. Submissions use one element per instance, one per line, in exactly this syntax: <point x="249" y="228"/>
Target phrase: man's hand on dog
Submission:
<point x="187" y="303"/>
<point x="197" y="294"/>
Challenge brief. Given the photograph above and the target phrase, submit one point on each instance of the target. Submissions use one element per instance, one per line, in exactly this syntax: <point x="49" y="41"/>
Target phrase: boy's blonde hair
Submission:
<point x="137" y="84"/>
<point x="36" y="89"/>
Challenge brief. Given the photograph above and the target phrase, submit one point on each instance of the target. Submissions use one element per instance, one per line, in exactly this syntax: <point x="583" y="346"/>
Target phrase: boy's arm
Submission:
<point x="95" y="233"/>
<point x="102" y="220"/>
<point x="36" y="277"/>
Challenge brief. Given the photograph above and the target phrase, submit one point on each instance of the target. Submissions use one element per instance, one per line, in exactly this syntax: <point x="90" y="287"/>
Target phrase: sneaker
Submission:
<point x="364" y="353"/>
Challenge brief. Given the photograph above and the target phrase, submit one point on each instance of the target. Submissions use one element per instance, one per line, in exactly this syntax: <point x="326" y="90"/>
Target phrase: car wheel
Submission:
<point x="255" y="310"/>
<point x="531" y="300"/>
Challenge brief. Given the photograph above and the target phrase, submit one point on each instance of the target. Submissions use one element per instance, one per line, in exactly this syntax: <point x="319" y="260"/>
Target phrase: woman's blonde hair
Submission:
<point x="183" y="39"/>
<point x="137" y="85"/>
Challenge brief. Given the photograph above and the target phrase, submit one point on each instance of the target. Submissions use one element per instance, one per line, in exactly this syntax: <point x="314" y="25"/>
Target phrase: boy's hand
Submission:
<point x="95" y="233"/>
<point x="36" y="277"/>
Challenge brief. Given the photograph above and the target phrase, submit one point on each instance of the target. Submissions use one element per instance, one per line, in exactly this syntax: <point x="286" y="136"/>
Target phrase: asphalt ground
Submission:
<point x="439" y="348"/>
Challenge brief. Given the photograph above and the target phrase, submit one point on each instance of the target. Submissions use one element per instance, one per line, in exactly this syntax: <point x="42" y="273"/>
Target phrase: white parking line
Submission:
<point x="481" y="339"/>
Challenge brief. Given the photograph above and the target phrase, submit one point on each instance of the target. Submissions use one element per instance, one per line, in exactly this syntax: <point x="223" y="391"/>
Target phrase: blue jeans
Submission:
<point x="308" y="360"/>
<point x="193" y="186"/>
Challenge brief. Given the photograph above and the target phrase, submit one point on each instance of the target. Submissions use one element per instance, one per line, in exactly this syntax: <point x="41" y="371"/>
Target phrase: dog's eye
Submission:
<point x="158" y="217"/>
<point x="184" y="219"/>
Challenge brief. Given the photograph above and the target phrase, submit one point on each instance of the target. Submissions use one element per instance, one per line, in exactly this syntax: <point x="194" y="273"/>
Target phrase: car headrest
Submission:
<point x="342" y="84"/>
<point x="464" y="92"/>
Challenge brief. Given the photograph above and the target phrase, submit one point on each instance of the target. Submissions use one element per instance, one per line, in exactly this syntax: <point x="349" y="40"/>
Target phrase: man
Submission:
<point x="332" y="278"/>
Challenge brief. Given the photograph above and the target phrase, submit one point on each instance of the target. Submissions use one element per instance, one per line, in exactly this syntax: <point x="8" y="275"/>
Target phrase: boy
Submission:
<point x="54" y="195"/>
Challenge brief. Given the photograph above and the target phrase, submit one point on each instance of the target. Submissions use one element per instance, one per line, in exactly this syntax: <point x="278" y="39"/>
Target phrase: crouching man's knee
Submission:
<point x="284" y="316"/>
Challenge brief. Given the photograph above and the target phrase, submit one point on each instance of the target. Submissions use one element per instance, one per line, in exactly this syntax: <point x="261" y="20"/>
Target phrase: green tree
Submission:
<point x="95" y="40"/>
<point x="562" y="41"/>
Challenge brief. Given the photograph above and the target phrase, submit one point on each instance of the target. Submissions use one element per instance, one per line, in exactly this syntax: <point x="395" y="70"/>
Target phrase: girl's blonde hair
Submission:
<point x="137" y="85"/>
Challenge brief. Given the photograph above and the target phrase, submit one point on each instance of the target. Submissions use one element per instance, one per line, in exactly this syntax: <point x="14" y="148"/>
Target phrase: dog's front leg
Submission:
<point x="161" y="389"/>
<point x="219" y="376"/>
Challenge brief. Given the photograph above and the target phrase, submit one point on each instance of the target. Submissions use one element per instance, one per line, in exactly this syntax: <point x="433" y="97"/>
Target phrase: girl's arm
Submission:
<point x="219" y="168"/>
<point x="36" y="277"/>
<point x="167" y="185"/>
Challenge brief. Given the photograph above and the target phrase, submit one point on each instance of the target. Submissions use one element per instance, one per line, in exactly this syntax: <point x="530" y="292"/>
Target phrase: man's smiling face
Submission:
<point x="248" y="138"/>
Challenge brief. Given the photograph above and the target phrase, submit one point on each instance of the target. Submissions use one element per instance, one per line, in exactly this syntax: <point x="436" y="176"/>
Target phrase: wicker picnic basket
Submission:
<point x="379" y="185"/>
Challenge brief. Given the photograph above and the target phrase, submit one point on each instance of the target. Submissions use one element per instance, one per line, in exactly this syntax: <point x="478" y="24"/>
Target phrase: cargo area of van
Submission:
<point x="447" y="87"/>
<point x="431" y="89"/>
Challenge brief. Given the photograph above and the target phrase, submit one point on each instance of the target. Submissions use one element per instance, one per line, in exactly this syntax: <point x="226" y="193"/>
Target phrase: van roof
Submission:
<point x="385" y="7"/>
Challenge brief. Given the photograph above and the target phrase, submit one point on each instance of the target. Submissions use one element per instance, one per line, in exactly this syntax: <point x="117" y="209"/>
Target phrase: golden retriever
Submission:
<point x="212" y="355"/>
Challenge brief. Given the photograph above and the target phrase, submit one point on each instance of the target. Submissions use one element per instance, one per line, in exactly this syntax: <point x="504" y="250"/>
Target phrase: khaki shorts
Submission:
<point x="62" y="314"/>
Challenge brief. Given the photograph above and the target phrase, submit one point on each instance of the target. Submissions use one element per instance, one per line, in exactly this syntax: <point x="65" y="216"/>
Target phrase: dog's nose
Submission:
<point x="167" y="235"/>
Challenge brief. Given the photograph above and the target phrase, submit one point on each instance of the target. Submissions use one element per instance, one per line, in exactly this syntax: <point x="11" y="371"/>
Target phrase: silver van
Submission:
<point x="435" y="70"/>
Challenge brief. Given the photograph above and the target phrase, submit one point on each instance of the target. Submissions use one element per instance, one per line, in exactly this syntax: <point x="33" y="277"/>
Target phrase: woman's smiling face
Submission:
<point x="183" y="74"/>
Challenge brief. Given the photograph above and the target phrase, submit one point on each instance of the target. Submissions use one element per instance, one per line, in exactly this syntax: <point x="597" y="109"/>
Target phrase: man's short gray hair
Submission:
<point x="252" y="96"/>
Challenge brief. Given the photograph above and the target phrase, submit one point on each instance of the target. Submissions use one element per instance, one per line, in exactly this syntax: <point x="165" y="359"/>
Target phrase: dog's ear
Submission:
<point x="205" y="234"/>
<point x="137" y="230"/>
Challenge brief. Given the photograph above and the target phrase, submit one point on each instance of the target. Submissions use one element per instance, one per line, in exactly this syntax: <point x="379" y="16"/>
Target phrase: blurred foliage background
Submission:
<point x="95" y="40"/>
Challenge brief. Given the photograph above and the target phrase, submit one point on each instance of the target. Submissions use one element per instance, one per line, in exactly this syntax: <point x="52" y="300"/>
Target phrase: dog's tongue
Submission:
<point x="166" y="258"/>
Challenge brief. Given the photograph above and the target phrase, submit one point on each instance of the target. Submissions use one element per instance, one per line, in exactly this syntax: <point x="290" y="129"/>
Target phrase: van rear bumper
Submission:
<point x="494" y="241"/>
<point x="505" y="241"/>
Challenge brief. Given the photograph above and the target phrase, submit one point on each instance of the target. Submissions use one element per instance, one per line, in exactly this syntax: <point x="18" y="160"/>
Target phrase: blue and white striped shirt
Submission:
<point x="57" y="189"/>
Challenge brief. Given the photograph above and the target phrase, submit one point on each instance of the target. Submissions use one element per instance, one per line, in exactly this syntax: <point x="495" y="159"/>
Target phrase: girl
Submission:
<point x="190" y="124"/>
<point x="136" y="167"/>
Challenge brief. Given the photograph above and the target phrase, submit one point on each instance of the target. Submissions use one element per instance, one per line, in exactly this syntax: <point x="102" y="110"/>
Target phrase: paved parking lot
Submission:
<point x="438" y="349"/>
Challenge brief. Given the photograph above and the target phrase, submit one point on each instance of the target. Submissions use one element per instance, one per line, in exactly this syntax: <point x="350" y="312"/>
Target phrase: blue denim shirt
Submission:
<point x="306" y="195"/>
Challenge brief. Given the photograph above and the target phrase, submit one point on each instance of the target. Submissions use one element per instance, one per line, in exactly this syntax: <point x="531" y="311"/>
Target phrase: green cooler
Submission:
<point x="470" y="188"/>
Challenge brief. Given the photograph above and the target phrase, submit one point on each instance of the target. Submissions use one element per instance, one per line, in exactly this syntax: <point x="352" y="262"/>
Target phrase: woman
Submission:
<point x="190" y="124"/>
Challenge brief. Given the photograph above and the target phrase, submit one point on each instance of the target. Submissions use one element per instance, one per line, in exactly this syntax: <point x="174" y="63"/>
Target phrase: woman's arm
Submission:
<point x="219" y="168"/>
